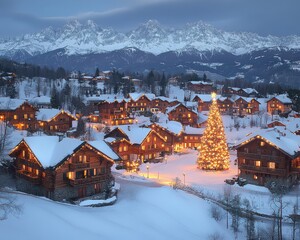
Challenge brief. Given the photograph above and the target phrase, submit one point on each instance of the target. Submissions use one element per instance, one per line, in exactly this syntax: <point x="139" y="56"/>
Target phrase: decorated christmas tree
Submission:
<point x="214" y="153"/>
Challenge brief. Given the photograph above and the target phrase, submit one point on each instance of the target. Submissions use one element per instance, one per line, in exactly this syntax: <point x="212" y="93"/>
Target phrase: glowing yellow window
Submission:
<point x="189" y="115"/>
<point x="271" y="165"/>
<point x="15" y="117"/>
<point x="257" y="163"/>
<point x="143" y="147"/>
<point x="255" y="177"/>
<point x="262" y="144"/>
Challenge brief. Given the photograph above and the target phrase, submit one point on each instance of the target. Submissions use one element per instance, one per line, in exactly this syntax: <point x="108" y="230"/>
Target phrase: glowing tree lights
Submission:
<point x="214" y="153"/>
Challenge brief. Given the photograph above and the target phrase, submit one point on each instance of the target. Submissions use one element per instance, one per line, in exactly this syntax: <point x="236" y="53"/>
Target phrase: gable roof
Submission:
<point x="171" y="126"/>
<point x="280" y="137"/>
<point x="49" y="151"/>
<point x="204" y="97"/>
<point x="48" y="114"/>
<point x="137" y="96"/>
<point x="171" y="109"/>
<point x="282" y="98"/>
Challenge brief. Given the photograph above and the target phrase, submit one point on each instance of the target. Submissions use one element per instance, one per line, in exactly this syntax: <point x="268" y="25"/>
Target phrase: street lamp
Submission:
<point x="183" y="178"/>
<point x="147" y="171"/>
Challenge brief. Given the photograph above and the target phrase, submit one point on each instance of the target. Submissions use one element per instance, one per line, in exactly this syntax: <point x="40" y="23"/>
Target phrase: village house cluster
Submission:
<point x="68" y="168"/>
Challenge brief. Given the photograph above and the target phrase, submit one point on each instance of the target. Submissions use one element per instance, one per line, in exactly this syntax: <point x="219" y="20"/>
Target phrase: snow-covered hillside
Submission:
<point x="85" y="38"/>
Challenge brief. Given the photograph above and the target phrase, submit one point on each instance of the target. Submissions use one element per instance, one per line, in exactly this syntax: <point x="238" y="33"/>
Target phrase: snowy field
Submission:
<point x="143" y="211"/>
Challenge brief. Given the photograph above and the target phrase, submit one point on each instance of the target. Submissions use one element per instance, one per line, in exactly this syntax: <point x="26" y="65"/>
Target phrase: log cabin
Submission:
<point x="225" y="105"/>
<point x="182" y="114"/>
<point x="171" y="131"/>
<point x="160" y="104"/>
<point x="245" y="106"/>
<point x="192" y="137"/>
<point x="135" y="143"/>
<point x="140" y="102"/>
<point x="55" y="120"/>
<point x="63" y="168"/>
<point x="18" y="113"/>
<point x="279" y="104"/>
<point x="114" y="112"/>
<point x="200" y="87"/>
<point x="203" y="100"/>
<point x="269" y="154"/>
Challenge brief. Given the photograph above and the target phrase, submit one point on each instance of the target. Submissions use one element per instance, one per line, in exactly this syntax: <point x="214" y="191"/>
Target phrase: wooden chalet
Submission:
<point x="275" y="123"/>
<point x="160" y="104"/>
<point x="134" y="143"/>
<point x="225" y="105"/>
<point x="279" y="104"/>
<point x="63" y="168"/>
<point x="200" y="87"/>
<point x="55" y="120"/>
<point x="268" y="155"/>
<point x="243" y="92"/>
<point x="140" y="102"/>
<point x="245" y="106"/>
<point x="114" y="112"/>
<point x="191" y="137"/>
<point x="204" y="101"/>
<point x="171" y="131"/>
<point x="18" y="113"/>
<point x="183" y="114"/>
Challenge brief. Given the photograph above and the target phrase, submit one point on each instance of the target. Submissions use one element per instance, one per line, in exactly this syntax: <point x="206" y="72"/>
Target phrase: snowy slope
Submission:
<point x="85" y="38"/>
<point x="142" y="212"/>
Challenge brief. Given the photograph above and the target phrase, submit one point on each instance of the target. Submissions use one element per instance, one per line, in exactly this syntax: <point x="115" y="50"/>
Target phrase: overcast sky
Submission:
<point x="276" y="17"/>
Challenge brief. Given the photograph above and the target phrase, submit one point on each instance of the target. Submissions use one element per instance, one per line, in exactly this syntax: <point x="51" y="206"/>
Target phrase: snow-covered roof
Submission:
<point x="201" y="82"/>
<point x="204" y="97"/>
<point x="281" y="137"/>
<point x="50" y="151"/>
<point x="247" y="99"/>
<point x="135" y="134"/>
<point x="136" y="96"/>
<point x="283" y="98"/>
<point x="41" y="100"/>
<point x="48" y="114"/>
<point x="103" y="147"/>
<point x="249" y="90"/>
<point x="192" y="130"/>
<point x="172" y="126"/>
<point x="166" y="99"/>
<point x="7" y="103"/>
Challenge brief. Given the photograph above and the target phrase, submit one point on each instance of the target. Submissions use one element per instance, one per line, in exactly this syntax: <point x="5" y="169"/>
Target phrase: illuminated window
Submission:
<point x="166" y="138"/>
<point x="23" y="153"/>
<point x="143" y="147"/>
<point x="125" y="148"/>
<point x="80" y="158"/>
<point x="257" y="163"/>
<point x="25" y="116"/>
<point x="30" y="169"/>
<point x="95" y="171"/>
<point x="255" y="177"/>
<point x="189" y="115"/>
<point x="243" y="161"/>
<point x="154" y="139"/>
<point x="271" y="165"/>
<point x="262" y="144"/>
<point x="148" y="139"/>
<point x="120" y="149"/>
<point x="37" y="172"/>
<point x="23" y="167"/>
<point x="15" y="117"/>
<point x="84" y="158"/>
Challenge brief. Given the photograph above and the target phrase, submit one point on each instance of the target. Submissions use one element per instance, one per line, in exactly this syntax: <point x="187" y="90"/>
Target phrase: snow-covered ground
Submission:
<point x="143" y="211"/>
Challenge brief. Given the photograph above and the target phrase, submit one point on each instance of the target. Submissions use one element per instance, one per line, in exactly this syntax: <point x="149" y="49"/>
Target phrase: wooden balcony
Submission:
<point x="77" y="166"/>
<point x="29" y="177"/>
<point x="88" y="180"/>
<point x="265" y="170"/>
<point x="257" y="156"/>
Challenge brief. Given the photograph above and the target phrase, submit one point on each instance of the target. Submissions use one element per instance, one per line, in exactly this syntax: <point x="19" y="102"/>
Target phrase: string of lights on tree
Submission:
<point x="213" y="149"/>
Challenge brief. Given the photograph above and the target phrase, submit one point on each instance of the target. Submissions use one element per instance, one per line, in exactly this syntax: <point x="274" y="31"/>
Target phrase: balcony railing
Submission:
<point x="76" y="166"/>
<point x="257" y="156"/>
<point x="89" y="180"/>
<point x="29" y="177"/>
<point x="266" y="170"/>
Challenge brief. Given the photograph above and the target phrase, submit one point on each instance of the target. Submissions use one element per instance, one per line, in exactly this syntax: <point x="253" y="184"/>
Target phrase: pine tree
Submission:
<point x="214" y="153"/>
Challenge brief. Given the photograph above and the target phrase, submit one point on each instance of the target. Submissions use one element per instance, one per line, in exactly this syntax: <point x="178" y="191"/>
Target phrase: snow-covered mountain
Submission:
<point x="86" y="38"/>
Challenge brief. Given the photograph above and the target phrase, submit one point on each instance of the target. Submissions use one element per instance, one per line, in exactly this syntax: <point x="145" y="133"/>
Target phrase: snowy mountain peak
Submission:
<point x="151" y="36"/>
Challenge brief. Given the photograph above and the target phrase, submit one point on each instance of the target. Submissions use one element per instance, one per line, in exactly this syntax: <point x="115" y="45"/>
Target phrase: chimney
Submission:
<point x="128" y="128"/>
